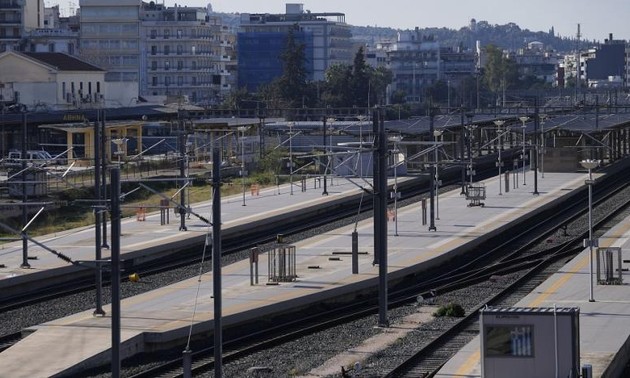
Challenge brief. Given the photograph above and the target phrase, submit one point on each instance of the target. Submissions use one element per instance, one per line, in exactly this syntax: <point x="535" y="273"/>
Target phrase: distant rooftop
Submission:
<point x="62" y="62"/>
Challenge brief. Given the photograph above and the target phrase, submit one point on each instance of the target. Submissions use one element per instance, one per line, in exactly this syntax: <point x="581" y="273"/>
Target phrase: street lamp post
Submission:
<point x="590" y="165"/>
<point x="499" y="124"/>
<point x="325" y="120"/>
<point x="396" y="153"/>
<point x="471" y="128"/>
<point x="542" y="144"/>
<point x="242" y="129"/>
<point x="330" y="151"/>
<point x="437" y="134"/>
<point x="361" y="118"/>
<point x="524" y="119"/>
<point x="291" y="157"/>
<point x="325" y="192"/>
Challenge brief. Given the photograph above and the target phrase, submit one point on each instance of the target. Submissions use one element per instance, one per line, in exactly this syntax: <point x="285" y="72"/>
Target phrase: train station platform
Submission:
<point x="603" y="331"/>
<point x="323" y="271"/>
<point x="152" y="234"/>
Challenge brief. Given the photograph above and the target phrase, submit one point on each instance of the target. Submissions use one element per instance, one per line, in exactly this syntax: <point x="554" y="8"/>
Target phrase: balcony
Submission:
<point x="10" y="5"/>
<point x="10" y="21"/>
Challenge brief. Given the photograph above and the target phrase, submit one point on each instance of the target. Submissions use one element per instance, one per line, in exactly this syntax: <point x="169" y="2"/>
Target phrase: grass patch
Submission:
<point x="76" y="210"/>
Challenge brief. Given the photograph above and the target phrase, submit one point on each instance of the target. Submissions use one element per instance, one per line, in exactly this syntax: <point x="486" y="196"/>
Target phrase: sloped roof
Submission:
<point x="62" y="62"/>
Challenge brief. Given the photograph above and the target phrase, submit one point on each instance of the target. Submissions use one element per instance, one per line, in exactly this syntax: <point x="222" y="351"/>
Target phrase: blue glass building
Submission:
<point x="259" y="56"/>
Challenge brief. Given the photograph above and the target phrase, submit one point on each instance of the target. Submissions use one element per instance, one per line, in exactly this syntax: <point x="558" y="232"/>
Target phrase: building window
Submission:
<point x="180" y="80"/>
<point x="167" y="33"/>
<point x="194" y="80"/>
<point x="180" y="65"/>
<point x="179" y="34"/>
<point x="154" y="81"/>
<point x="180" y="49"/>
<point x="194" y="64"/>
<point x="167" y="81"/>
<point x="167" y="65"/>
<point x="98" y="87"/>
<point x="153" y="33"/>
<point x="51" y="47"/>
<point x="167" y="50"/>
<point x="153" y="65"/>
<point x="153" y="50"/>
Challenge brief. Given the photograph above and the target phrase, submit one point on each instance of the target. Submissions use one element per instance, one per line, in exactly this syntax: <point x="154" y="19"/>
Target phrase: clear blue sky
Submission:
<point x="598" y="18"/>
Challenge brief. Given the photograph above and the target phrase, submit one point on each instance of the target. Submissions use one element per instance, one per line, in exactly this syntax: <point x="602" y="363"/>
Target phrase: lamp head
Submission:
<point x="589" y="163"/>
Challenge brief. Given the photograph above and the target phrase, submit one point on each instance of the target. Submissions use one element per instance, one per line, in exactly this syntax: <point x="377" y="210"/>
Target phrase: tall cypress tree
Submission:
<point x="291" y="86"/>
<point x="360" y="80"/>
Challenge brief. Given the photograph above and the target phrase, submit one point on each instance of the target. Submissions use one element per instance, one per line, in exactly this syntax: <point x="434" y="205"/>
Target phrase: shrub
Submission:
<point x="451" y="309"/>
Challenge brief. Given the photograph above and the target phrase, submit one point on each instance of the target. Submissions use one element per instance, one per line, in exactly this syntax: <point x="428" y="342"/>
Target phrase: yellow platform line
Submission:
<point x="474" y="359"/>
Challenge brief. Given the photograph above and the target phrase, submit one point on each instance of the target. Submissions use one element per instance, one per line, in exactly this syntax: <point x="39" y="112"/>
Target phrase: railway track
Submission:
<point x="190" y="257"/>
<point x="532" y="266"/>
<point x="427" y="360"/>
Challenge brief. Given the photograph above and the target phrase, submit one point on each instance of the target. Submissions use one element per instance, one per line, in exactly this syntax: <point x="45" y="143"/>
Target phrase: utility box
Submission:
<point x="523" y="342"/>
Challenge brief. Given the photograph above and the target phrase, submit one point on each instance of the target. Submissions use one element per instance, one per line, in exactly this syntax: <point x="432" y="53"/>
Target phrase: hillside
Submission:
<point x="509" y="36"/>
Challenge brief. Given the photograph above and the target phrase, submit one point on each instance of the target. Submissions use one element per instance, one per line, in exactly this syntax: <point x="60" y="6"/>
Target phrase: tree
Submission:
<point x="500" y="72"/>
<point x="338" y="83"/>
<point x="360" y="80"/>
<point x="291" y="86"/>
<point x="356" y="85"/>
<point x="380" y="78"/>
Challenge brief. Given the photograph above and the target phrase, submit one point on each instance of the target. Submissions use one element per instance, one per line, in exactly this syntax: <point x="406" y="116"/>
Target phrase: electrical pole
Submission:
<point x="380" y="212"/>
<point x="115" y="274"/>
<point x="98" y="214"/>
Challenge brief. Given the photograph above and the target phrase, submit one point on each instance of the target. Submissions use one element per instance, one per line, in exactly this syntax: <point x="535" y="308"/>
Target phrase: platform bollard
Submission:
<point x="424" y="211"/>
<point x="507" y="181"/>
<point x="303" y="181"/>
<point x="164" y="215"/>
<point x="355" y="252"/>
<point x="253" y="265"/>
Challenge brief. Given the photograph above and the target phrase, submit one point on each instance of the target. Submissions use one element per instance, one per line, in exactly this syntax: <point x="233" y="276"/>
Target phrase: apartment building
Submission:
<point x="185" y="53"/>
<point x="262" y="39"/>
<point x="110" y="39"/>
<point x="415" y="63"/>
<point x="17" y="18"/>
<point x="606" y="64"/>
